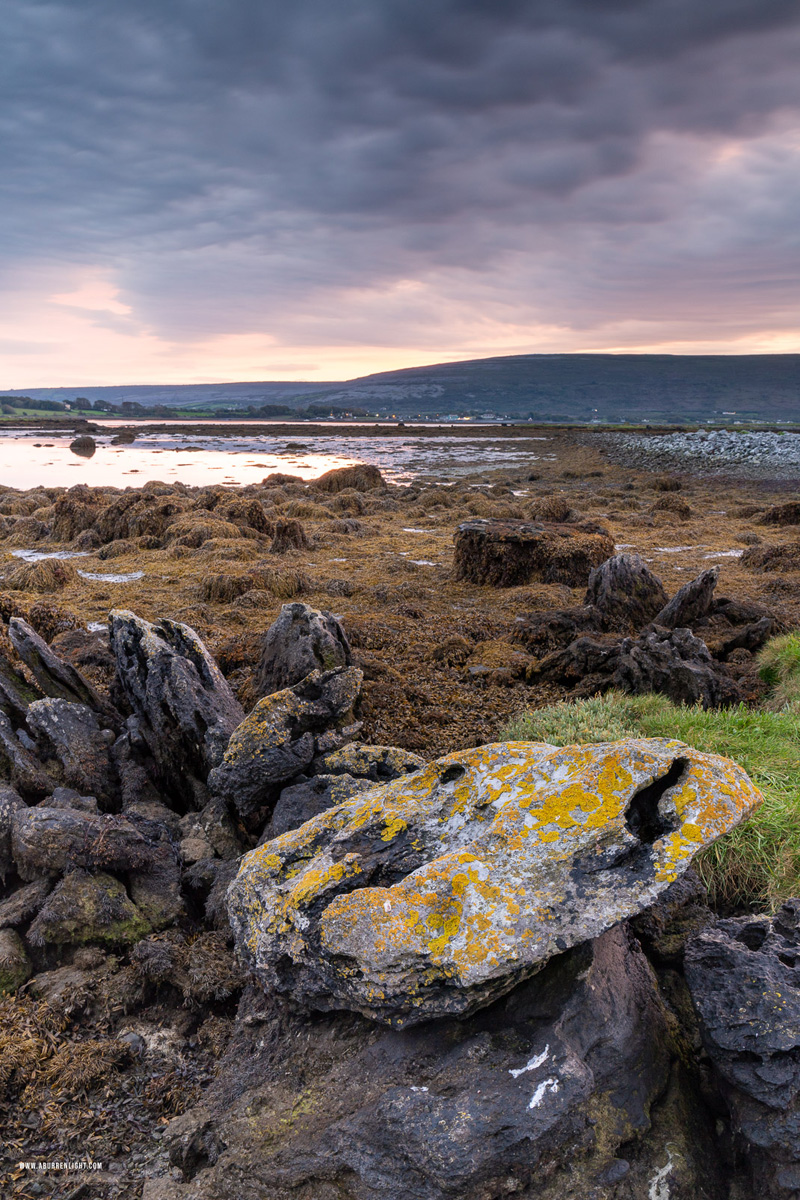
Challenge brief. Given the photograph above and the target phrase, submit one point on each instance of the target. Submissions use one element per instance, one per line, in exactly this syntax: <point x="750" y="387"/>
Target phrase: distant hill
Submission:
<point x="661" y="388"/>
<point x="586" y="387"/>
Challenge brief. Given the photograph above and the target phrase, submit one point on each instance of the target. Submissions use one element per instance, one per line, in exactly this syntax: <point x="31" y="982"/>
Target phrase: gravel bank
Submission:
<point x="716" y="452"/>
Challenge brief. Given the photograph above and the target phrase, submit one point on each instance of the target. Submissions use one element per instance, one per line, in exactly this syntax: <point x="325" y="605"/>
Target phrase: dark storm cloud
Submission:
<point x="221" y="155"/>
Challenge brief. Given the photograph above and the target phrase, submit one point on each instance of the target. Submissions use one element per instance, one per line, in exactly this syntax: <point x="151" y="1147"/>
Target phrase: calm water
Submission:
<point x="29" y="458"/>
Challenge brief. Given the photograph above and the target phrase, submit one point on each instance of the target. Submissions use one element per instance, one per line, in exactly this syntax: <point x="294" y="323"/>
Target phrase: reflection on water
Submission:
<point x="201" y="458"/>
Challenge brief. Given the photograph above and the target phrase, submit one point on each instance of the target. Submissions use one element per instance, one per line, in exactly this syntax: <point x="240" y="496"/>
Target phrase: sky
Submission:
<point x="207" y="190"/>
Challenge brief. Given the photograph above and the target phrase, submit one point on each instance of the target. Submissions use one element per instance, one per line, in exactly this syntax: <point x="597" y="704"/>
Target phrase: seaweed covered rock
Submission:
<point x="744" y="982"/>
<point x="507" y="553"/>
<point x="88" y="908"/>
<point x="362" y="477"/>
<point x="186" y="710"/>
<point x="15" y="965"/>
<point x="624" y="593"/>
<point x="437" y="893"/>
<point x="282" y="735"/>
<point x="782" y="514"/>
<point x="301" y="640"/>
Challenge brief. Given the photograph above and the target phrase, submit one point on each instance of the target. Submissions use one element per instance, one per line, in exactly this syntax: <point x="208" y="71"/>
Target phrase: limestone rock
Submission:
<point x="676" y="664"/>
<point x="19" y="766"/>
<point x="55" y="677"/>
<point x="10" y="801"/>
<point x="624" y="593"/>
<point x="691" y="603"/>
<point x="378" y="763"/>
<point x="744" y="981"/>
<point x="439" y="892"/>
<point x="70" y="736"/>
<point x="47" y="841"/>
<point x="24" y="903"/>
<point x="282" y="734"/>
<point x="304" y="800"/>
<point x="507" y="553"/>
<point x="88" y="908"/>
<point x="549" y="1095"/>
<point x="300" y="641"/>
<point x="15" y="965"/>
<point x="186" y="710"/>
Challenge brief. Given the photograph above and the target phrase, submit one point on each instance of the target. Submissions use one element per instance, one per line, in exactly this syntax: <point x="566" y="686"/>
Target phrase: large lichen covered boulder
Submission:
<point x="186" y="710"/>
<point x="436" y="893"/>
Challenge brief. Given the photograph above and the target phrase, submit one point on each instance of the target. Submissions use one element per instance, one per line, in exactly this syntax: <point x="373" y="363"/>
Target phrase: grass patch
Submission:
<point x="758" y="863"/>
<point x="779" y="666"/>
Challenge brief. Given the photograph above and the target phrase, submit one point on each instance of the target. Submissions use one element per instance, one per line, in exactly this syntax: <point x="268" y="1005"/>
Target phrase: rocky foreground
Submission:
<point x="250" y="953"/>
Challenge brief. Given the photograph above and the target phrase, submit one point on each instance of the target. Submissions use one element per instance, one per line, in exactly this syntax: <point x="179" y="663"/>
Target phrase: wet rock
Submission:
<point x="782" y="514"/>
<point x="691" y="603"/>
<point x="282" y="734"/>
<point x="10" y="801"/>
<point x="55" y="677"/>
<point x="437" y="893"/>
<point x="624" y="593"/>
<point x="19" y="766"/>
<point x="15" y="692"/>
<point x="84" y="446"/>
<point x="507" y="553"/>
<point x="24" y="903"/>
<point x="745" y="984"/>
<point x="362" y="477"/>
<point x="302" y="801"/>
<point x="378" y="763"/>
<point x="70" y="736"/>
<point x="186" y="710"/>
<point x="88" y="908"/>
<point x="49" y="841"/>
<point x="676" y="664"/>
<point x="541" y="1090"/>
<point x="301" y="640"/>
<point x="15" y="966"/>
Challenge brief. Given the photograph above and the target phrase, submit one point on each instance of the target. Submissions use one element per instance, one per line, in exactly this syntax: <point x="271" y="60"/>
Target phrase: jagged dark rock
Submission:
<point x="550" y="1093"/>
<point x="281" y="736"/>
<point x="301" y="640"/>
<point x="691" y="603"/>
<point x="186" y="710"/>
<point x="15" y="692"/>
<point x="744" y="981"/>
<point x="73" y="747"/>
<point x="304" y="800"/>
<point x="55" y="677"/>
<point x="676" y="664"/>
<point x="19" y="766"/>
<point x="10" y="801"/>
<point x="624" y="593"/>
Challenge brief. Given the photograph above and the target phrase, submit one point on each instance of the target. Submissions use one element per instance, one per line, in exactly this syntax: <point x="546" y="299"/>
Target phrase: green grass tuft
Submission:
<point x="779" y="665"/>
<point x="758" y="863"/>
